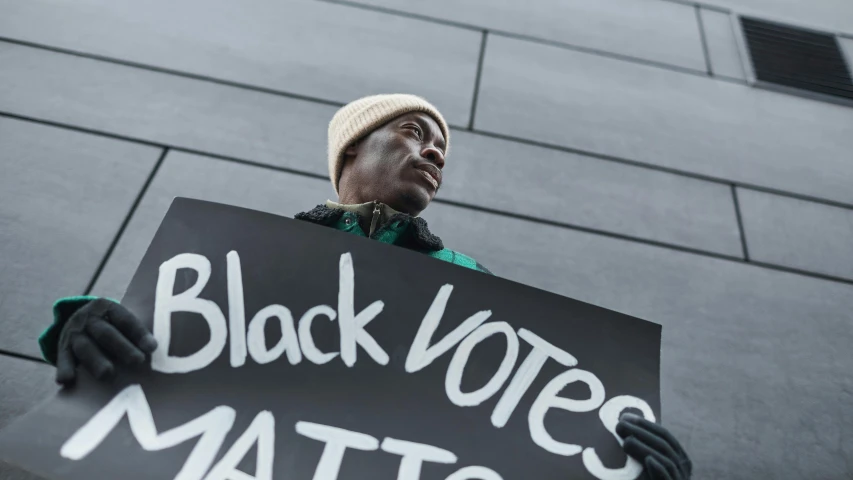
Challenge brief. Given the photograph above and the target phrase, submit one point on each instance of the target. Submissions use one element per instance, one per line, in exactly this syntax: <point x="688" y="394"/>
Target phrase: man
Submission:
<point x="386" y="154"/>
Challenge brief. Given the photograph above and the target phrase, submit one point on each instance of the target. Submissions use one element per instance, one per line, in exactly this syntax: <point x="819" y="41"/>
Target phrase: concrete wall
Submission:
<point x="612" y="151"/>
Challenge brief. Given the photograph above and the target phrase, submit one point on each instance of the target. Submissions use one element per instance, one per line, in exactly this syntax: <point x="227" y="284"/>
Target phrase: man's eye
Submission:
<point x="415" y="129"/>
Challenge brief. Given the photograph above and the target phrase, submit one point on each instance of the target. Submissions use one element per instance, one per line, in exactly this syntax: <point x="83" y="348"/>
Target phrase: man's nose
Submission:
<point x="434" y="155"/>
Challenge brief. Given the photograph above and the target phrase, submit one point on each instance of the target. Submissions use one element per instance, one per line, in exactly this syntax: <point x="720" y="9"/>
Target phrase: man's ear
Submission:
<point x="351" y="150"/>
<point x="349" y="154"/>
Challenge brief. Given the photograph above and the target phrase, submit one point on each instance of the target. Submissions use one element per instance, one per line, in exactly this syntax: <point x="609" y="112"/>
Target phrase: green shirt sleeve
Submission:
<point x="62" y="311"/>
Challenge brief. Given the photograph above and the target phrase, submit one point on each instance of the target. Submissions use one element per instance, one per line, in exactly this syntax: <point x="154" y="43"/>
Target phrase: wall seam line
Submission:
<point x="560" y="148"/>
<point x="478" y="80"/>
<point x="169" y="71"/>
<point x="126" y="221"/>
<point x="740" y="226"/>
<point x="236" y="84"/>
<point x="701" y="25"/>
<point x="22" y="356"/>
<point x="605" y="233"/>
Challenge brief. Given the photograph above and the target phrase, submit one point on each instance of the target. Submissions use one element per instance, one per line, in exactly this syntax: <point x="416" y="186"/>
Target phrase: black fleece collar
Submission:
<point x="417" y="236"/>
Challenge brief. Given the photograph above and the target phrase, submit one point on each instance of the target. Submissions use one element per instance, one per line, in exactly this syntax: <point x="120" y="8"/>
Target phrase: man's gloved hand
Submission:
<point x="655" y="448"/>
<point x="97" y="335"/>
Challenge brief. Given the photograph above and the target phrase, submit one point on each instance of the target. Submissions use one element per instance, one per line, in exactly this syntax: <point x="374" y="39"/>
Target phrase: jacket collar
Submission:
<point x="365" y="210"/>
<point x="417" y="235"/>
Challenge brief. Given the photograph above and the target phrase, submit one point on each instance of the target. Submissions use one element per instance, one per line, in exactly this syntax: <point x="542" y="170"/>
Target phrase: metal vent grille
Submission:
<point x="797" y="58"/>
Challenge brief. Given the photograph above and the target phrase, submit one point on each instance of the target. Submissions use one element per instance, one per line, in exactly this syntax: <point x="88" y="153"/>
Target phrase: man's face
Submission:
<point x="398" y="164"/>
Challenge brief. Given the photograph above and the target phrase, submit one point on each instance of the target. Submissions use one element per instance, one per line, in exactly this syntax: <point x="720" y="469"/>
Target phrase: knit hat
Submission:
<point x="357" y="119"/>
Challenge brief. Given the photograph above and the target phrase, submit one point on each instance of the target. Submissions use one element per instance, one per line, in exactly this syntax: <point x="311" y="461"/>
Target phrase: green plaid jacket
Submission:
<point x="400" y="229"/>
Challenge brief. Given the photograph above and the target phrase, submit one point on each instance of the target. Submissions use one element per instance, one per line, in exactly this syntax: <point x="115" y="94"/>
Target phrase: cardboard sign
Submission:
<point x="289" y="350"/>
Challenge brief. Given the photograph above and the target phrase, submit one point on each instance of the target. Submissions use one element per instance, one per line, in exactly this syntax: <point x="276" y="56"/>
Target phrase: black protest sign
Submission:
<point x="290" y="350"/>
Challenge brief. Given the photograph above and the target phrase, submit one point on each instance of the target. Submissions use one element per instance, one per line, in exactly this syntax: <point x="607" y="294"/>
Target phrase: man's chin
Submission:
<point x="414" y="201"/>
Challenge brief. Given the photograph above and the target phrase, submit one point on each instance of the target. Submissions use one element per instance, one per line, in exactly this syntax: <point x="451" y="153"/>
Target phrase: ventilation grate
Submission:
<point x="797" y="58"/>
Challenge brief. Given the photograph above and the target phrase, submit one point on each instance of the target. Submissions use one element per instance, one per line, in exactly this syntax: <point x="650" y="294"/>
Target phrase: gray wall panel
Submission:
<point x="164" y="108"/>
<point x="723" y="49"/>
<point x="649" y="29"/>
<point x="585" y="191"/>
<point x="748" y="354"/>
<point x="666" y="118"/>
<point x="23" y="384"/>
<point x="304" y="47"/>
<point x="63" y="197"/>
<point x="185" y="175"/>
<point x="796" y="233"/>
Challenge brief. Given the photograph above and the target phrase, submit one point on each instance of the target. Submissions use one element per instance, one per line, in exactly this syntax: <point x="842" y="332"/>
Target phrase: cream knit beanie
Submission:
<point x="357" y="119"/>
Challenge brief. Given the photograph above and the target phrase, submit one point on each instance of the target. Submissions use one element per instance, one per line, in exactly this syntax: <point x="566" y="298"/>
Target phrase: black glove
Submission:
<point x="98" y="334"/>
<point x="655" y="448"/>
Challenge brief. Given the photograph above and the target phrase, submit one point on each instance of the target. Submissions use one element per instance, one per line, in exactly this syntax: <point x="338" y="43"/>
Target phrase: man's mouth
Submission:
<point x="431" y="173"/>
